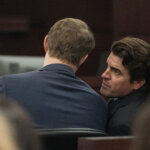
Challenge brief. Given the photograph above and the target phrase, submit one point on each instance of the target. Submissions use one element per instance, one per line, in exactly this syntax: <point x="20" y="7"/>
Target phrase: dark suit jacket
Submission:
<point x="122" y="113"/>
<point x="56" y="98"/>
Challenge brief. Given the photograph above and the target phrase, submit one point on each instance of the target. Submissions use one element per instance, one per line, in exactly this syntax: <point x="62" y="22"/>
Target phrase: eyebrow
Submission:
<point x="116" y="69"/>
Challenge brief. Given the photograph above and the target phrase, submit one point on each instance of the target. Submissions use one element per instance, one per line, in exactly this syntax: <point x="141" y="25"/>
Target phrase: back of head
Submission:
<point x="141" y="130"/>
<point x="69" y="40"/>
<point x="16" y="128"/>
<point x="136" y="58"/>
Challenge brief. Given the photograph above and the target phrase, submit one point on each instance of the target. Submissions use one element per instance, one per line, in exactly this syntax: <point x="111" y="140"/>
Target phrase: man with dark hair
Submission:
<point x="126" y="81"/>
<point x="53" y="95"/>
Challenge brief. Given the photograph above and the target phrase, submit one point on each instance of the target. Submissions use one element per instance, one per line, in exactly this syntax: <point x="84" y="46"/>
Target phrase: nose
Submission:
<point x="106" y="74"/>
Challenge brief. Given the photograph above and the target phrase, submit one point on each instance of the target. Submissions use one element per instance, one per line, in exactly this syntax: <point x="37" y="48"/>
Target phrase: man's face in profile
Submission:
<point x="115" y="79"/>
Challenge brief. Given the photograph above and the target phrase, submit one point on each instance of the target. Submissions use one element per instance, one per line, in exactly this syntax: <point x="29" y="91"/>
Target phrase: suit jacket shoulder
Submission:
<point x="55" y="93"/>
<point x="123" y="112"/>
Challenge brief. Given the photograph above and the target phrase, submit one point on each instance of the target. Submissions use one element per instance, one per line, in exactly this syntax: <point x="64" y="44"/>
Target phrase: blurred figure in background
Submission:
<point x="16" y="128"/>
<point x="141" y="130"/>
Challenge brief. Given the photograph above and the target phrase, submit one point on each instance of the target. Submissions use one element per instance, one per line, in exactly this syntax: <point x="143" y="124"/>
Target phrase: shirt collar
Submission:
<point x="57" y="67"/>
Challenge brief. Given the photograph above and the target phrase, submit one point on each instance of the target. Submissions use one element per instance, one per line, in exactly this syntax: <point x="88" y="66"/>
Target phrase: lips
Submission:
<point x="105" y="85"/>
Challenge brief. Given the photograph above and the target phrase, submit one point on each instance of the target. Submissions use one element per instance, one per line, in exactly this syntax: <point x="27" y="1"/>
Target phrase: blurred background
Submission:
<point x="24" y="23"/>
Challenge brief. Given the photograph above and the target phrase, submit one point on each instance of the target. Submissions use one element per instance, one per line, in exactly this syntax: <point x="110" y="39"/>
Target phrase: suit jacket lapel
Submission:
<point x="113" y="106"/>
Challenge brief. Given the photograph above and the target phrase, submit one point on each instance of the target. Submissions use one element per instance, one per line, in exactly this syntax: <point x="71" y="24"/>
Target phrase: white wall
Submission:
<point x="17" y="64"/>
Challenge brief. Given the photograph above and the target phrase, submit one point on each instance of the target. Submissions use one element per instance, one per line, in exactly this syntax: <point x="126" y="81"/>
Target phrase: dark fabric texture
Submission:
<point x="123" y="111"/>
<point x="56" y="98"/>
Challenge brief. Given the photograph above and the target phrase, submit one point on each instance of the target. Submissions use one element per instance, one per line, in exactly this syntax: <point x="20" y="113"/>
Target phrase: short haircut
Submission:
<point x="70" y="39"/>
<point x="135" y="54"/>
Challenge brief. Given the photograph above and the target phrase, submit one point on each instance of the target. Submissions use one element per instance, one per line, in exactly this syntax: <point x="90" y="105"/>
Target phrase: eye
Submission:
<point x="116" y="71"/>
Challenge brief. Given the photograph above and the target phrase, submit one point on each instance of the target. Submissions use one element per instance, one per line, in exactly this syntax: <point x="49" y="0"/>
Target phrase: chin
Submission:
<point x="104" y="93"/>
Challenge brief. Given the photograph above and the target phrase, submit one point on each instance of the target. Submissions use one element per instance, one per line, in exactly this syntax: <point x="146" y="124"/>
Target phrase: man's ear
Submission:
<point x="138" y="84"/>
<point x="83" y="59"/>
<point x="45" y="43"/>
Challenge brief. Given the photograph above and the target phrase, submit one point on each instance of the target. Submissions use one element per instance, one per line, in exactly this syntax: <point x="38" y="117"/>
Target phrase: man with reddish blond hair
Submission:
<point x="54" y="96"/>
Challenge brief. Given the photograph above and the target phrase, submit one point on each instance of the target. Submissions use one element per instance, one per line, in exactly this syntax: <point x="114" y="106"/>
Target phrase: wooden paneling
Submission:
<point x="42" y="14"/>
<point x="105" y="143"/>
<point x="131" y="18"/>
<point x="109" y="20"/>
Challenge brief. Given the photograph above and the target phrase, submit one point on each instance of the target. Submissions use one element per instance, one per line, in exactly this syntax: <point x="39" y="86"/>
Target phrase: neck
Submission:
<point x="52" y="60"/>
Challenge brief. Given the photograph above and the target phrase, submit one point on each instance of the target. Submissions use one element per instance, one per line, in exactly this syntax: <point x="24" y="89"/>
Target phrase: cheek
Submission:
<point x="120" y="83"/>
<point x="120" y="88"/>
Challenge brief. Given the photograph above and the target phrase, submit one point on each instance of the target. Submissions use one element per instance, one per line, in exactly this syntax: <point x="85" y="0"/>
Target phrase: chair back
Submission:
<point x="65" y="138"/>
